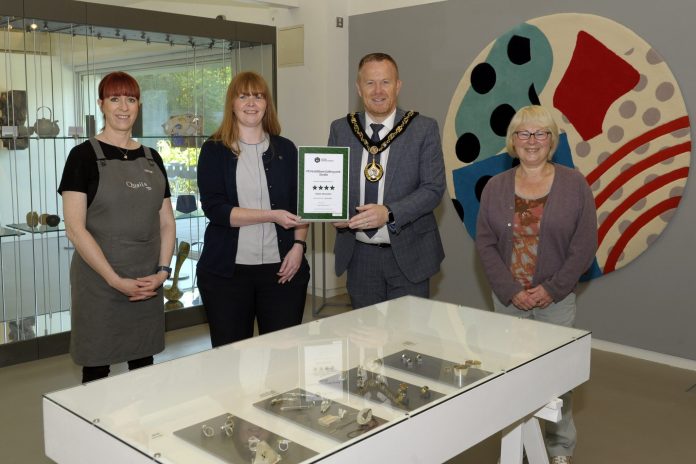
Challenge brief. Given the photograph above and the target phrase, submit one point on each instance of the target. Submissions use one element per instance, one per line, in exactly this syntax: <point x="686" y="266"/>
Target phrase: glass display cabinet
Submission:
<point x="53" y="54"/>
<point x="409" y="380"/>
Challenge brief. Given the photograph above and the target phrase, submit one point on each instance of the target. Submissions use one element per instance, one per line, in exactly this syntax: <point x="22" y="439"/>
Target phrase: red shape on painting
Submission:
<point x="596" y="77"/>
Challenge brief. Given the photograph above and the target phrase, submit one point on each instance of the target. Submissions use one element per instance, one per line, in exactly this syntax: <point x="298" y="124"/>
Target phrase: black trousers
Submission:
<point x="253" y="292"/>
<point x="90" y="373"/>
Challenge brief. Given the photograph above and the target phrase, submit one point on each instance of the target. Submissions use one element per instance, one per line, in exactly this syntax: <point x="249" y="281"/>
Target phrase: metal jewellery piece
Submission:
<point x="364" y="416"/>
<point x="253" y="443"/>
<point x="328" y="419"/>
<point x="360" y="372"/>
<point x="283" y="445"/>
<point x="297" y="408"/>
<point x="265" y="454"/>
<point x="460" y="372"/>
<point x="460" y="368"/>
<point x="207" y="431"/>
<point x="341" y="413"/>
<point x="325" y="405"/>
<point x="228" y="426"/>
<point x="419" y="359"/>
<point x="425" y="391"/>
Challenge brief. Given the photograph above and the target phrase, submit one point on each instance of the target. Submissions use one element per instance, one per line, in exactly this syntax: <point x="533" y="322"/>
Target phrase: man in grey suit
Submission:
<point x="391" y="245"/>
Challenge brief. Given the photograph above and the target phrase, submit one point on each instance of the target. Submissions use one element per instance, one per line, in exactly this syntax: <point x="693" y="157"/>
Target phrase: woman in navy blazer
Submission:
<point x="252" y="265"/>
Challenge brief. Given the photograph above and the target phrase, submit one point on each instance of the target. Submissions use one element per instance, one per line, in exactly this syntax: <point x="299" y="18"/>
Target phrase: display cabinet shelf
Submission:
<point x="39" y="229"/>
<point x="5" y="232"/>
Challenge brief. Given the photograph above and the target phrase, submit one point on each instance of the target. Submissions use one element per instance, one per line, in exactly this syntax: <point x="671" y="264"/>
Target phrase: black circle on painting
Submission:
<point x="533" y="96"/>
<point x="483" y="78"/>
<point x="467" y="147"/>
<point x="519" y="50"/>
<point x="458" y="208"/>
<point x="500" y="119"/>
<point x="480" y="184"/>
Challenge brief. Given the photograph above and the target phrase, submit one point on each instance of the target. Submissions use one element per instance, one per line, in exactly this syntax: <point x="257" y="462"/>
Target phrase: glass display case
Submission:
<point x="410" y="380"/>
<point x="53" y="55"/>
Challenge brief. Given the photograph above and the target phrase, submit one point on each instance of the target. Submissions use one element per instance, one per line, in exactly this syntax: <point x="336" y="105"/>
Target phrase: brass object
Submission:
<point x="32" y="219"/>
<point x="173" y="293"/>
<point x="373" y="171"/>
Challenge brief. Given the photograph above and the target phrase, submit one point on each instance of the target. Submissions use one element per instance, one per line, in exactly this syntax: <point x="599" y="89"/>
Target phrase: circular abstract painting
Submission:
<point x="621" y="113"/>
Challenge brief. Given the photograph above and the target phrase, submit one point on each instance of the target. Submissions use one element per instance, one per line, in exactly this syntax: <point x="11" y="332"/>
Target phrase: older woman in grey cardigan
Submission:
<point x="536" y="235"/>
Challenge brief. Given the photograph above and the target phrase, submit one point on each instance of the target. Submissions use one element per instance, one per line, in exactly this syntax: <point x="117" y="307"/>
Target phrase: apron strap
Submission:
<point x="98" y="151"/>
<point x="148" y="155"/>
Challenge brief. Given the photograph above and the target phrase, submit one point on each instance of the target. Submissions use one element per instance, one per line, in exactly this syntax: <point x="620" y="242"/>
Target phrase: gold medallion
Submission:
<point x="374" y="150"/>
<point x="374" y="171"/>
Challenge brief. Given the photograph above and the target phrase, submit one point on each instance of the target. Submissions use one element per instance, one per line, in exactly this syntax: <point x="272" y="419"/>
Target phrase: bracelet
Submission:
<point x="166" y="269"/>
<point x="303" y="243"/>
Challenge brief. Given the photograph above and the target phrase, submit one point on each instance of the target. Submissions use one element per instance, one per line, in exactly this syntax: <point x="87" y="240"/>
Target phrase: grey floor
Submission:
<point x="631" y="411"/>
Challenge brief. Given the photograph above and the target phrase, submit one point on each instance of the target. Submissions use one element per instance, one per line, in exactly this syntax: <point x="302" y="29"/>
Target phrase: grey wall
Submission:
<point x="648" y="304"/>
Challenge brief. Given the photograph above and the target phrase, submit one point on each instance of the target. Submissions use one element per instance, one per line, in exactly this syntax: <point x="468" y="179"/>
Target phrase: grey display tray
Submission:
<point x="383" y="389"/>
<point x="434" y="368"/>
<point x="235" y="449"/>
<point x="341" y="430"/>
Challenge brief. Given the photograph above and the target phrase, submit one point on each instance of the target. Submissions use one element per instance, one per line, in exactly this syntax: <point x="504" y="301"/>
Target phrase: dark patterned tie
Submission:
<point x="372" y="188"/>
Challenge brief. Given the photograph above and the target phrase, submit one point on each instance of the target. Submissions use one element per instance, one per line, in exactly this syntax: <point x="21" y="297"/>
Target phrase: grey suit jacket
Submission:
<point x="414" y="184"/>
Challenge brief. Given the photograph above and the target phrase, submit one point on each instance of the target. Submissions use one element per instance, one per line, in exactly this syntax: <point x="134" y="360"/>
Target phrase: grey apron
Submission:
<point x="123" y="218"/>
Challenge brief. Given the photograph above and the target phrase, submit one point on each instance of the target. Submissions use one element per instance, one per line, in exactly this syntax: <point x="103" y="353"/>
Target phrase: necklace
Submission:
<point x="124" y="154"/>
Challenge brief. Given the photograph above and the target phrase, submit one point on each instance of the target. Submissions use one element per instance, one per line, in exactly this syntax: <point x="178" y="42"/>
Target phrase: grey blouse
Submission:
<point x="258" y="243"/>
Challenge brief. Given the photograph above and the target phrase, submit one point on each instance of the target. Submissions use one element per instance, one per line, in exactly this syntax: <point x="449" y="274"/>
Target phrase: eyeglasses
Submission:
<point x="538" y="135"/>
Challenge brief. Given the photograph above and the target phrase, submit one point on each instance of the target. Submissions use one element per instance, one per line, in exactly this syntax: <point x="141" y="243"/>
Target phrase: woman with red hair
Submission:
<point x="119" y="217"/>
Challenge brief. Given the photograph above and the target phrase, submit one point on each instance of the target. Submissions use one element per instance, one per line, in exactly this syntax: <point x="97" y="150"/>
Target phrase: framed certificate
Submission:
<point x="322" y="183"/>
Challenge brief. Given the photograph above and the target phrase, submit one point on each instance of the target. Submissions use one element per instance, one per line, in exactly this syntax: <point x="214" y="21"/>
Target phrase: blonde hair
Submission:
<point x="535" y="115"/>
<point x="245" y="83"/>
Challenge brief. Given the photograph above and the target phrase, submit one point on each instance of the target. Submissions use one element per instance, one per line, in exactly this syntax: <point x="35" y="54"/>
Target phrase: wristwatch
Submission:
<point x="303" y="243"/>
<point x="166" y="269"/>
<point x="390" y="220"/>
<point x="391" y="223"/>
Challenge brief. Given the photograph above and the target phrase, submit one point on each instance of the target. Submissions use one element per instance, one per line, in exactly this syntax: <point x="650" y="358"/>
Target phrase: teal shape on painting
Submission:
<point x="516" y="85"/>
